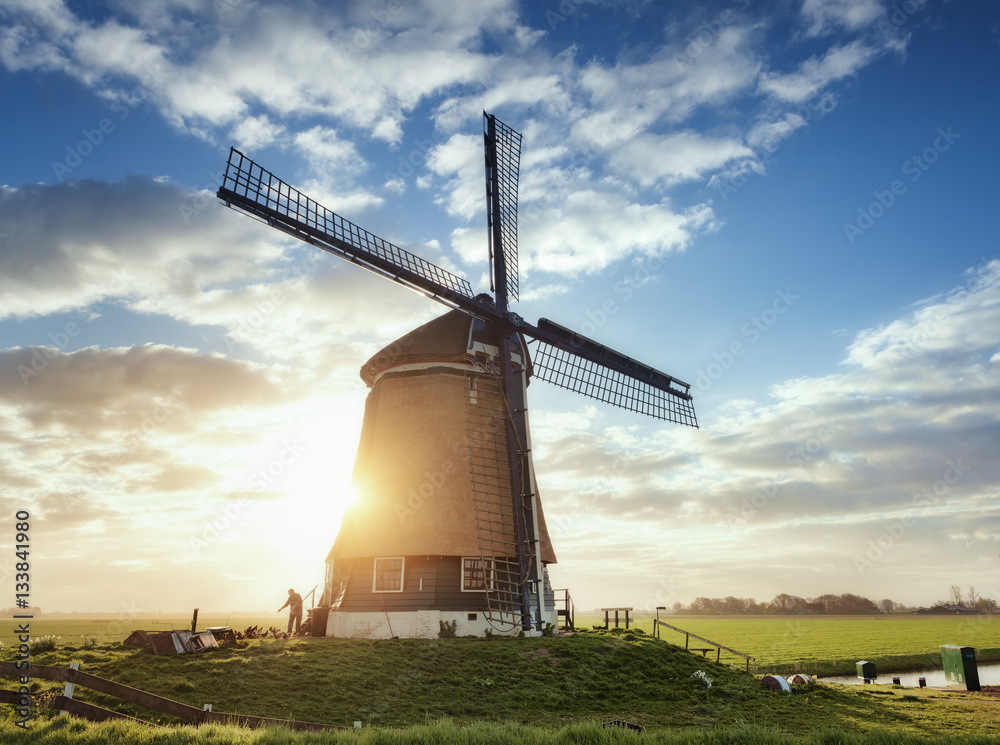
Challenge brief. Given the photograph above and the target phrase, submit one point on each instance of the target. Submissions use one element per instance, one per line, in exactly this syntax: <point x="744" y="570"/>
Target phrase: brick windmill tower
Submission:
<point x="448" y="527"/>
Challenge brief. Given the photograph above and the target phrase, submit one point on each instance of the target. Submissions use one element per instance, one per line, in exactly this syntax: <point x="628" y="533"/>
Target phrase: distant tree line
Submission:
<point x="34" y="611"/>
<point x="972" y="599"/>
<point x="845" y="604"/>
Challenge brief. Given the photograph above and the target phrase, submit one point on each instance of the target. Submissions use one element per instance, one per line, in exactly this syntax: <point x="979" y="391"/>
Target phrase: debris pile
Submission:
<point x="179" y="641"/>
<point x="172" y="642"/>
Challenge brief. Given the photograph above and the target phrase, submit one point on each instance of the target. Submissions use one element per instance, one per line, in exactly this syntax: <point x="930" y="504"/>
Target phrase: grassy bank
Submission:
<point x="819" y="645"/>
<point x="831" y="645"/>
<point x="535" y="686"/>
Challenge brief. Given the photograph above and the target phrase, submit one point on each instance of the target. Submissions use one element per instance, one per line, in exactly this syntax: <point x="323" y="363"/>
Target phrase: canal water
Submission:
<point x="989" y="674"/>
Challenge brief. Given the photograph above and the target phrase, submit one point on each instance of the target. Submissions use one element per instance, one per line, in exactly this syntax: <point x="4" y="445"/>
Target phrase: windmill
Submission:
<point x="499" y="502"/>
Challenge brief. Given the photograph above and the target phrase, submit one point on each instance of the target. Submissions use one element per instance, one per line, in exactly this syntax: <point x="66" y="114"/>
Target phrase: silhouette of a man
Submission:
<point x="294" y="605"/>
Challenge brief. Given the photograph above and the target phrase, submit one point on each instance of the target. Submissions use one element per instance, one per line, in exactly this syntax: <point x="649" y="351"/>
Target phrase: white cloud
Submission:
<point x="667" y="87"/>
<point x="588" y="230"/>
<point x="327" y="152"/>
<point x="155" y="248"/>
<point x="815" y="74"/>
<point x="767" y="134"/>
<point x="78" y="243"/>
<point x="113" y="49"/>
<point x="256" y="132"/>
<point x="460" y="162"/>
<point x="674" y="158"/>
<point x="537" y="292"/>
<point x="33" y="34"/>
<point x="88" y="245"/>
<point x="368" y="72"/>
<point x="367" y="75"/>
<point x="569" y="222"/>
<point x="532" y="85"/>
<point x="943" y="332"/>
<point x="320" y="315"/>
<point x="825" y="15"/>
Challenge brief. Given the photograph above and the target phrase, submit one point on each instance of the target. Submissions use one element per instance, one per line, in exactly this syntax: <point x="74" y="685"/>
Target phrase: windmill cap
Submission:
<point x="445" y="339"/>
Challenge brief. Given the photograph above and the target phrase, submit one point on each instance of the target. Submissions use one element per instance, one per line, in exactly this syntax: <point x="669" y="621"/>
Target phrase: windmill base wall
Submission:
<point x="431" y="594"/>
<point x="421" y="624"/>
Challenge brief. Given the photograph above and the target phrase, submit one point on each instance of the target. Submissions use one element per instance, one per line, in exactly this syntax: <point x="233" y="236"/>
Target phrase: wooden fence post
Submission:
<point x="68" y="691"/>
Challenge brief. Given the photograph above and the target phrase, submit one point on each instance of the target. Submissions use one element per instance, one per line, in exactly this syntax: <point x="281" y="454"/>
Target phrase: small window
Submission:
<point x="477" y="575"/>
<point x="388" y="575"/>
<point x="473" y="390"/>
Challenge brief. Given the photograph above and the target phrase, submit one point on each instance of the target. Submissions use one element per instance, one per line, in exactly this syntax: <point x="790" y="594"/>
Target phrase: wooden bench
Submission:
<point x="607" y="611"/>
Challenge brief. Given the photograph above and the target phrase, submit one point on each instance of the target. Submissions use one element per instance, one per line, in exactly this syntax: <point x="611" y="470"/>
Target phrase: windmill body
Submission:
<point x="430" y="538"/>
<point x="448" y="526"/>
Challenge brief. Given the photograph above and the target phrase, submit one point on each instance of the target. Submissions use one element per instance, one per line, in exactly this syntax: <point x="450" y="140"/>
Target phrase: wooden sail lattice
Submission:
<point x="493" y="503"/>
<point x="503" y="158"/>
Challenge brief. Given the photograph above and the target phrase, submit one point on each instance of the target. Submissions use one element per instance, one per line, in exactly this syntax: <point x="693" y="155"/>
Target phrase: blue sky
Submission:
<point x="786" y="204"/>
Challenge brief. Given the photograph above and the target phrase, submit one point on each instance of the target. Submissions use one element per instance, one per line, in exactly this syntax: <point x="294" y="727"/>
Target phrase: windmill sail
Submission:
<point x="259" y="192"/>
<point x="572" y="361"/>
<point x="503" y="158"/>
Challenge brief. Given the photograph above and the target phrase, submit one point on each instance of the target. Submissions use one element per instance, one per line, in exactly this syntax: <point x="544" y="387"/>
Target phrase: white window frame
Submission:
<point x="402" y="572"/>
<point x="490" y="576"/>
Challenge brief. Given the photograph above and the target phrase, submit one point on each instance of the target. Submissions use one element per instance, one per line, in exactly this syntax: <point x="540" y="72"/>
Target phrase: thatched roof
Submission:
<point x="445" y="339"/>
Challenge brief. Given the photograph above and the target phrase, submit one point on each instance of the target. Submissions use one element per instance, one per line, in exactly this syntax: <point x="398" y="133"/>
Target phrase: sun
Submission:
<point x="317" y="495"/>
<point x="317" y="487"/>
<point x="314" y="510"/>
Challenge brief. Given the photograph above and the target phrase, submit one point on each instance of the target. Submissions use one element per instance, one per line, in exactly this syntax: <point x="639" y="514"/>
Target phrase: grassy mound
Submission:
<point x="563" y="684"/>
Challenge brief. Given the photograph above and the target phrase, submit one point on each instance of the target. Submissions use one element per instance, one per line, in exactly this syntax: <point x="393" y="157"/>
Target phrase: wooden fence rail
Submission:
<point x="72" y="706"/>
<point x="135" y="696"/>
<point x="688" y="636"/>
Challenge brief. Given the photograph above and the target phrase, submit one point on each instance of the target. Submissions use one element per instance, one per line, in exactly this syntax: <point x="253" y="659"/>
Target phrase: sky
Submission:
<point x="786" y="204"/>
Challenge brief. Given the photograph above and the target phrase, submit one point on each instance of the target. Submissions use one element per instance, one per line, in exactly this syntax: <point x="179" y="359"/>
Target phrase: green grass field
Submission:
<point x="521" y="691"/>
<point x="830" y="645"/>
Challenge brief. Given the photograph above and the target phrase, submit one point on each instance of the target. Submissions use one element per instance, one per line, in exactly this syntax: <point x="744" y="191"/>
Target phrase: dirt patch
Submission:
<point x="537" y="654"/>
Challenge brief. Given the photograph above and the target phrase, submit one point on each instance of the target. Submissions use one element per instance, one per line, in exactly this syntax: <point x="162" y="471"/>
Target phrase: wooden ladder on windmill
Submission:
<point x="486" y="423"/>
